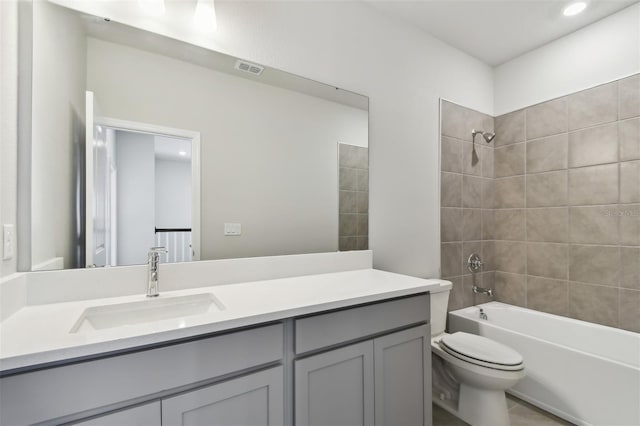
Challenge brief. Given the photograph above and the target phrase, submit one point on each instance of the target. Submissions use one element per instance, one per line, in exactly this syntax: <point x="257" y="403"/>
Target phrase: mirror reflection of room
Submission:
<point x="142" y="197"/>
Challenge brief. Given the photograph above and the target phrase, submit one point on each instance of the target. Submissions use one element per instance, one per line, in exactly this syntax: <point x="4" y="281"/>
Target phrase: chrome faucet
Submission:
<point x="153" y="261"/>
<point x="482" y="290"/>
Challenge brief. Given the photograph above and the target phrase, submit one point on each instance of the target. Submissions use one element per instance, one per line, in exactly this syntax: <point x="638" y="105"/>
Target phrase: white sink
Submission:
<point x="145" y="311"/>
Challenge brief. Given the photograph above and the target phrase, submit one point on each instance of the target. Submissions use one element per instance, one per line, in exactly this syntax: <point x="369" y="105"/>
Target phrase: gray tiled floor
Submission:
<point x="520" y="413"/>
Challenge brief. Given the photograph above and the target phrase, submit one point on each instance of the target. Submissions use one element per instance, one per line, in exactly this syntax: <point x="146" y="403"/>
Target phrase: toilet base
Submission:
<point x="483" y="407"/>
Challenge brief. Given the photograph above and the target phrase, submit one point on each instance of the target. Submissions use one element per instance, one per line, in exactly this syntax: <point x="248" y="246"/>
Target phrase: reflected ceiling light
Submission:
<point x="574" y="8"/>
<point x="152" y="7"/>
<point x="204" y="17"/>
<point x="183" y="153"/>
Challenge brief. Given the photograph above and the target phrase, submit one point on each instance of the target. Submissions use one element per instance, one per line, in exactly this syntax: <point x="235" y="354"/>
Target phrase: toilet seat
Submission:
<point x="481" y="351"/>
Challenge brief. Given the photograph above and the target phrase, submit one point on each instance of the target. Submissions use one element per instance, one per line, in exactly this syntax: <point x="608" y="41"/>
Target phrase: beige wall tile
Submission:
<point x="593" y="303"/>
<point x="471" y="224"/>
<point x="363" y="225"/>
<point x="471" y="191"/>
<point x="548" y="225"/>
<point x="488" y="255"/>
<point x="594" y="225"/>
<point x="593" y="106"/>
<point x="471" y="164"/>
<point x="362" y="243"/>
<point x="548" y="260"/>
<point x="509" y="128"/>
<point x="630" y="182"/>
<point x="509" y="225"/>
<point x="488" y="193"/>
<point x="510" y="256"/>
<point x="630" y="270"/>
<point x="629" y="224"/>
<point x="510" y="192"/>
<point x="546" y="119"/>
<point x="451" y="189"/>
<point x="630" y="310"/>
<point x="487" y="162"/>
<point x="450" y="224"/>
<point x="510" y="288"/>
<point x="348" y="201"/>
<point x="451" y="259"/>
<point x="509" y="160"/>
<point x="455" y="121"/>
<point x="595" y="145"/>
<point x="547" y="189"/>
<point x="348" y="179"/>
<point x="348" y="224"/>
<point x="629" y="90"/>
<point x="451" y="155"/>
<point x="593" y="185"/>
<point x="347" y="243"/>
<point x="363" y="180"/>
<point x="488" y="224"/>
<point x="547" y="295"/>
<point x="595" y="264"/>
<point x="550" y="153"/>
<point x="362" y="202"/>
<point x="629" y="139"/>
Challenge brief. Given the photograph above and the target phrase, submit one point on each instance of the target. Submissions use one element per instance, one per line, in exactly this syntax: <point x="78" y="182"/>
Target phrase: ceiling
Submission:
<point x="496" y="31"/>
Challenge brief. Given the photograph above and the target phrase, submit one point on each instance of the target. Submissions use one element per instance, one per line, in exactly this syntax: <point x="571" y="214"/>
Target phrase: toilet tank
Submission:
<point x="439" y="297"/>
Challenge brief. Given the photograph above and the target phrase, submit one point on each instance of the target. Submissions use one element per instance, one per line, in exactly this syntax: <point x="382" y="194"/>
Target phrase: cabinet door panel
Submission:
<point x="403" y="378"/>
<point x="335" y="388"/>
<point x="143" y="415"/>
<point x="253" y="400"/>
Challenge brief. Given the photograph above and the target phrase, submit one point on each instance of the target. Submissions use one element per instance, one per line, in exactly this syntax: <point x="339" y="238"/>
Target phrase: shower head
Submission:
<point x="488" y="136"/>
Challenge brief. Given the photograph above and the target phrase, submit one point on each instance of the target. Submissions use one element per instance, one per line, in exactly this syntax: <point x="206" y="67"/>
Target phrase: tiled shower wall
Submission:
<point x="353" y="226"/>
<point x="566" y="206"/>
<point x="466" y="201"/>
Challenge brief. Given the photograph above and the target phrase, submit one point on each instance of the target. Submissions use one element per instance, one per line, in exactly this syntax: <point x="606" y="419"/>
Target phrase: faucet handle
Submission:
<point x="161" y="250"/>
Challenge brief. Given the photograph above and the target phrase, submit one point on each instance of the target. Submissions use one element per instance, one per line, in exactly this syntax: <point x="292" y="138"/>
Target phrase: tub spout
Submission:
<point x="481" y="290"/>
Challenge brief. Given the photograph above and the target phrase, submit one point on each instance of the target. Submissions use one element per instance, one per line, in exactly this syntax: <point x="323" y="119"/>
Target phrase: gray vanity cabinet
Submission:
<point x="335" y="388"/>
<point x="402" y="378"/>
<point x="255" y="399"/>
<point x="142" y="415"/>
<point x="383" y="379"/>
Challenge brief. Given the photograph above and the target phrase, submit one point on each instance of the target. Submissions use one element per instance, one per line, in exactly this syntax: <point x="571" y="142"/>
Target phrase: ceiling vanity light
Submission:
<point x="574" y="8"/>
<point x="152" y="7"/>
<point x="204" y="17"/>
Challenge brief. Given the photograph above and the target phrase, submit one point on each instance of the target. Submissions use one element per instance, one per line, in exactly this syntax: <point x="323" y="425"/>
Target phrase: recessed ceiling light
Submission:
<point x="183" y="153"/>
<point x="574" y="8"/>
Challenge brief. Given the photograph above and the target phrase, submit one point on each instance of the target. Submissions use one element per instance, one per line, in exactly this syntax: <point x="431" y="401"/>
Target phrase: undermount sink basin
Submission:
<point x="145" y="311"/>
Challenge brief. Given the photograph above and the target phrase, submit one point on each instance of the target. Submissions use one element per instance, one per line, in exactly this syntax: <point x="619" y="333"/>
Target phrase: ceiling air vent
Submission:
<point x="249" y="67"/>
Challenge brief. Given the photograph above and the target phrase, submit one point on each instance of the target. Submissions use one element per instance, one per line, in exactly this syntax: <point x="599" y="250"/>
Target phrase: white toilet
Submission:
<point x="471" y="369"/>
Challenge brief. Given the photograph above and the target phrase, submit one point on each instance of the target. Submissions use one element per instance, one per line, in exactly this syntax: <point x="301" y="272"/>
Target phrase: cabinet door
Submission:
<point x="403" y="378"/>
<point x="335" y="388"/>
<point x="252" y="400"/>
<point x="142" y="415"/>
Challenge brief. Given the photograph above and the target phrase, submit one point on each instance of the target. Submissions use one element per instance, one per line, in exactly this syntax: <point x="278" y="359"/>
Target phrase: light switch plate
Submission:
<point x="8" y="235"/>
<point x="232" y="229"/>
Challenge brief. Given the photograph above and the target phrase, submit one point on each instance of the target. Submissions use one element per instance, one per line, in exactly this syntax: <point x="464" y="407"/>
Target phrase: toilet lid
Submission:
<point x="481" y="351"/>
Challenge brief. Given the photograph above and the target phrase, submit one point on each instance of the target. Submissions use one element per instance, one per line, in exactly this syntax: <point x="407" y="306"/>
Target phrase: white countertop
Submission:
<point x="40" y="334"/>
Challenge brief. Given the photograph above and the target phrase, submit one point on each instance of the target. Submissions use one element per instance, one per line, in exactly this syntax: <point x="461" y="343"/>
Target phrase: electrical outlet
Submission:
<point x="8" y="235"/>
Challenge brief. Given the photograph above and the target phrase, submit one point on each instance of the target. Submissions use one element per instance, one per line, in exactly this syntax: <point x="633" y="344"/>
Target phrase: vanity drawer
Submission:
<point x="132" y="377"/>
<point x="319" y="331"/>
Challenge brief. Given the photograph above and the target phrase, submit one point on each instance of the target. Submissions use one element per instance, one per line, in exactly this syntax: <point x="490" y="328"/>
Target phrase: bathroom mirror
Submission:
<point x="138" y="140"/>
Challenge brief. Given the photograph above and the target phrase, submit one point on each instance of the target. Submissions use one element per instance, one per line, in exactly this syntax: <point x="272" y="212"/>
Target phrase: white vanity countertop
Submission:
<point x="41" y="334"/>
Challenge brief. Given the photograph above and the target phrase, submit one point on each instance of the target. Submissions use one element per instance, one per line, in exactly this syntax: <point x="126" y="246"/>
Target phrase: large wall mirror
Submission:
<point x="140" y="140"/>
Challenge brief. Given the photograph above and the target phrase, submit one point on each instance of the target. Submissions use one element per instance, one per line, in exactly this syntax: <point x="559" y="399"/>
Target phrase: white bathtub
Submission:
<point x="586" y="373"/>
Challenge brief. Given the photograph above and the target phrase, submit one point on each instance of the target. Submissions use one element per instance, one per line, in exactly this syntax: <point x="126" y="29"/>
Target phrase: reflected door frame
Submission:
<point x="134" y="126"/>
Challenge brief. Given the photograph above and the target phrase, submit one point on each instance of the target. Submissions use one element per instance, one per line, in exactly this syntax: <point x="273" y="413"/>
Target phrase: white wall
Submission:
<point x="599" y="53"/>
<point x="173" y="194"/>
<point x="268" y="155"/>
<point x="8" y="121"/>
<point x="59" y="57"/>
<point x="135" y="163"/>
